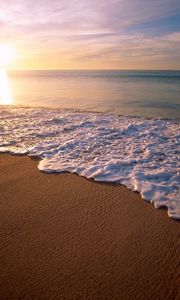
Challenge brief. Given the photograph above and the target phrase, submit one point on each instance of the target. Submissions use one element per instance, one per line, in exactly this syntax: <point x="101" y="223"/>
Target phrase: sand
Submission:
<point x="66" y="237"/>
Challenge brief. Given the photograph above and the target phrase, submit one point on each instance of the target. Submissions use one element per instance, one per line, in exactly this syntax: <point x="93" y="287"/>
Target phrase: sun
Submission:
<point x="7" y="54"/>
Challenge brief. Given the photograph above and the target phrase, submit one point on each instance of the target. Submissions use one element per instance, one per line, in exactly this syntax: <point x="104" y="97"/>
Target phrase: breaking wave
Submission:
<point x="142" y="154"/>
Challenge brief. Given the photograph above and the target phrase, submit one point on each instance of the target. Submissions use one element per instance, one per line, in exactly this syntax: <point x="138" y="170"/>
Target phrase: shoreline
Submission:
<point x="89" y="111"/>
<point x="66" y="237"/>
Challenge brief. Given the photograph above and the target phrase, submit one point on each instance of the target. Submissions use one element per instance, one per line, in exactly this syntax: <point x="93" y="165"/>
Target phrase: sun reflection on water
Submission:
<point x="5" y="93"/>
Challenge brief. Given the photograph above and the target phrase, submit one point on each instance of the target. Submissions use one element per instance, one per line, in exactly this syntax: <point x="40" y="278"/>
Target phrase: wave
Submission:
<point x="142" y="154"/>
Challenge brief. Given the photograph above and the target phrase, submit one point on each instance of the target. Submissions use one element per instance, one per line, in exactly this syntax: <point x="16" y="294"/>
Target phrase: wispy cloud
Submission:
<point x="94" y="32"/>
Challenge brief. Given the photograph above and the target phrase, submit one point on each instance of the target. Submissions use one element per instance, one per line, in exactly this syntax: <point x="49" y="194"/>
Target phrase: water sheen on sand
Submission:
<point x="137" y="152"/>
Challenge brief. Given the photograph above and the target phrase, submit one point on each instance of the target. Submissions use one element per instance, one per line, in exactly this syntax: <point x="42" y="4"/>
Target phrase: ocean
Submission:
<point x="112" y="126"/>
<point x="140" y="93"/>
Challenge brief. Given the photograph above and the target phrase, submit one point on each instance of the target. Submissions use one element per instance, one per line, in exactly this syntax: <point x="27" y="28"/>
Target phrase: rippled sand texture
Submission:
<point x="142" y="154"/>
<point x="65" y="237"/>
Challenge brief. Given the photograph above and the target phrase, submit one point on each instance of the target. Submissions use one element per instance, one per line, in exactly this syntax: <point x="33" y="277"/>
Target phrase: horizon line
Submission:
<point x="99" y="69"/>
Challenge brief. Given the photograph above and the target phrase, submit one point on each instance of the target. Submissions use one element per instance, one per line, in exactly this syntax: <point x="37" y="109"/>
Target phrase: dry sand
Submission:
<point x="65" y="237"/>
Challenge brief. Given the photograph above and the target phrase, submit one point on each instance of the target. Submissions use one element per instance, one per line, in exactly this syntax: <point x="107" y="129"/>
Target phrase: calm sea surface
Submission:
<point x="139" y="93"/>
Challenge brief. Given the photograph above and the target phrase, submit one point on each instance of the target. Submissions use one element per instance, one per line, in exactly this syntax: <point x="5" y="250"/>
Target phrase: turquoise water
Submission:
<point x="139" y="93"/>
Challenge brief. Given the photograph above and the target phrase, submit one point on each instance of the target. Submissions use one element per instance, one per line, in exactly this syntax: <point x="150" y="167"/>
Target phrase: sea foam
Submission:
<point x="142" y="154"/>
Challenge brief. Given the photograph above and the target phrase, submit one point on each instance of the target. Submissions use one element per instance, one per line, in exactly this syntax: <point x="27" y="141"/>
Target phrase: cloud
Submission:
<point x="83" y="15"/>
<point x="132" y="49"/>
<point x="93" y="30"/>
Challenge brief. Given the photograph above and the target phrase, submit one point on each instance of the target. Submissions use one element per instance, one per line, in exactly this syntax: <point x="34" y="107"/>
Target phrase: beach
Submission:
<point x="89" y="150"/>
<point x="66" y="237"/>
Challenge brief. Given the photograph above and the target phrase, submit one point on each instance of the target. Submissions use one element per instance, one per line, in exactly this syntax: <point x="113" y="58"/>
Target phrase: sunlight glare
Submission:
<point x="6" y="55"/>
<point x="5" y="94"/>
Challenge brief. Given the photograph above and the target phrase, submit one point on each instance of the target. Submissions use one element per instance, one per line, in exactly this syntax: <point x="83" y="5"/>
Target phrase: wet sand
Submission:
<point x="66" y="237"/>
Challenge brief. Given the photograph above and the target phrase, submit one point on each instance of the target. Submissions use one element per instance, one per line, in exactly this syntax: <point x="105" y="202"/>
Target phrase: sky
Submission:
<point x="92" y="34"/>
